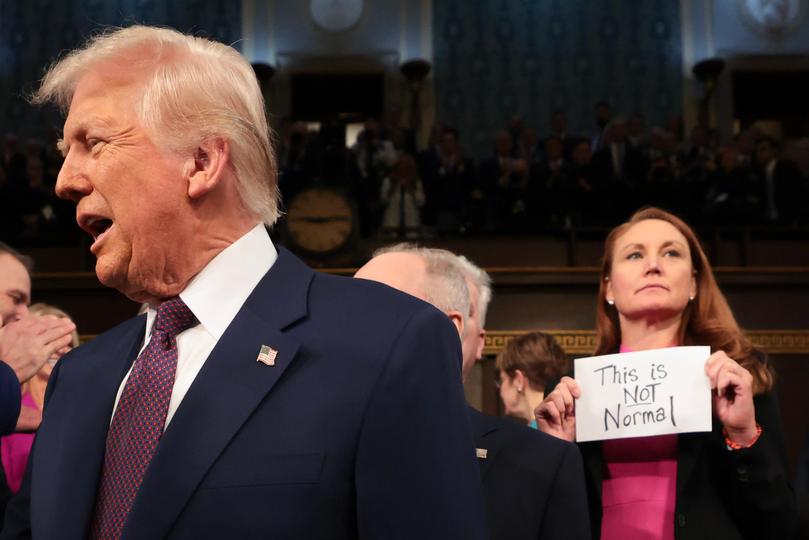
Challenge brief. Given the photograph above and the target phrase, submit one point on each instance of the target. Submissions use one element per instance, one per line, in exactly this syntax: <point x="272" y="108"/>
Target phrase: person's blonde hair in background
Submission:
<point x="36" y="386"/>
<point x="526" y="365"/>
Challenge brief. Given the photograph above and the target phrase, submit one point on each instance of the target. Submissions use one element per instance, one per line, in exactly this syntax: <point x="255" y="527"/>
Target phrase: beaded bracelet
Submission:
<point x="736" y="446"/>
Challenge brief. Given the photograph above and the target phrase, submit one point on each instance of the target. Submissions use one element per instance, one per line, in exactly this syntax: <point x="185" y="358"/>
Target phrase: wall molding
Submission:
<point x="577" y="342"/>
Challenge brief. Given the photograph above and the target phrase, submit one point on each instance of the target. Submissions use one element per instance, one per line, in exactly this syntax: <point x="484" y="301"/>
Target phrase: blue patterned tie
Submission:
<point x="139" y="420"/>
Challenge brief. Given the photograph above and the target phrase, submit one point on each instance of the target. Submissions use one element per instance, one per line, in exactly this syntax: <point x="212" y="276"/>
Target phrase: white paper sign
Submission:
<point x="644" y="393"/>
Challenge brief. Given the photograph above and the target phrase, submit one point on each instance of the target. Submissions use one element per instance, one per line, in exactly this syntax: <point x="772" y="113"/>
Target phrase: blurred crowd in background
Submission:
<point x="533" y="179"/>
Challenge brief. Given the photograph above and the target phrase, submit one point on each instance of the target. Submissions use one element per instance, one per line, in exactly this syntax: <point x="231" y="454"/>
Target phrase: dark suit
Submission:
<point x="10" y="399"/>
<point x="721" y="494"/>
<point x="533" y="484"/>
<point x="358" y="431"/>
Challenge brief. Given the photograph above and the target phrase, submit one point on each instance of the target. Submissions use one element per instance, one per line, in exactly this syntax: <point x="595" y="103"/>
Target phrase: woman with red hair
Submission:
<point x="657" y="290"/>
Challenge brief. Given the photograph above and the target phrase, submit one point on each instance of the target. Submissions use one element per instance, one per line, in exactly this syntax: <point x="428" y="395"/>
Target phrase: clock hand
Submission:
<point x="319" y="219"/>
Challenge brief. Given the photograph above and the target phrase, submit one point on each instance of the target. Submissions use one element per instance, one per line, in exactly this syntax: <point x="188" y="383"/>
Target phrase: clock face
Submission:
<point x="320" y="221"/>
<point x="773" y="17"/>
<point x="335" y="15"/>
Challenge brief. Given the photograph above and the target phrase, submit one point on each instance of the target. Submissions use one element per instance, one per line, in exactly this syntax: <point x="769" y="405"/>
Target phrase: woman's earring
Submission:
<point x="691" y="298"/>
<point x="611" y="302"/>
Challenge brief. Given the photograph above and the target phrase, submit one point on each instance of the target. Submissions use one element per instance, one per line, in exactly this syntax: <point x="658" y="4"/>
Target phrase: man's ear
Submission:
<point x="205" y="170"/>
<point x="481" y="344"/>
<point x="457" y="320"/>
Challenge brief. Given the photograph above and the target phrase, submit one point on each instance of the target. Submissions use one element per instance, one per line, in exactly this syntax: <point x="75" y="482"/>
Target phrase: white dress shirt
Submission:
<point x="214" y="296"/>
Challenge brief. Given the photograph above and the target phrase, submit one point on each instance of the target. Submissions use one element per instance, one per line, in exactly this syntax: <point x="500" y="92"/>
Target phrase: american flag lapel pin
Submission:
<point x="482" y="453"/>
<point x="267" y="355"/>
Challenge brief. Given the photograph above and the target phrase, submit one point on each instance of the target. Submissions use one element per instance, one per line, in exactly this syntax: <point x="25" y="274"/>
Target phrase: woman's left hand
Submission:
<point x="732" y="387"/>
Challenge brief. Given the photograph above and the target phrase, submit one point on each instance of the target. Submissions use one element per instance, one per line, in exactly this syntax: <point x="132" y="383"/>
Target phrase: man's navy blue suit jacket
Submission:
<point x="358" y="431"/>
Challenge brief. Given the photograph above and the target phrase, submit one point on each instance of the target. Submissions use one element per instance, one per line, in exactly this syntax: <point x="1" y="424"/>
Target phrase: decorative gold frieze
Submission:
<point x="576" y="342"/>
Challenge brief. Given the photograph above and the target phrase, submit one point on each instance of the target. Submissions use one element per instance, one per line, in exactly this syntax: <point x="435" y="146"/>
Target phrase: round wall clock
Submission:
<point x="335" y="15"/>
<point x="320" y="221"/>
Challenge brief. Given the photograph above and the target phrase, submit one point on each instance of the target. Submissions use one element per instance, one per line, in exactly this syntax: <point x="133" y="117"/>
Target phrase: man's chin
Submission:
<point x="110" y="276"/>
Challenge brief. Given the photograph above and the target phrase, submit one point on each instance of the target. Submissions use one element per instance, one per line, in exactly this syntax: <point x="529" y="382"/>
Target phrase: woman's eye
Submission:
<point x="634" y="255"/>
<point x="672" y="253"/>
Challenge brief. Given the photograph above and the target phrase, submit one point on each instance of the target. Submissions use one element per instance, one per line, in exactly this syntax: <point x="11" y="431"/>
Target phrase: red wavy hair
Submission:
<point x="707" y="320"/>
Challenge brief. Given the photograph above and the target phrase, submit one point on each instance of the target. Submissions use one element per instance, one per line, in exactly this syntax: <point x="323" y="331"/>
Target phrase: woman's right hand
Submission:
<point x="556" y="415"/>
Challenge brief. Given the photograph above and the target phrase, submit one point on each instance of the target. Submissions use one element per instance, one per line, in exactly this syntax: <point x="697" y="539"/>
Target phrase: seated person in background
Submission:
<point x="526" y="365"/>
<point x="533" y="487"/>
<point x="402" y="194"/>
<point x="14" y="448"/>
<point x="505" y="179"/>
<point x="734" y="197"/>
<point x="780" y="183"/>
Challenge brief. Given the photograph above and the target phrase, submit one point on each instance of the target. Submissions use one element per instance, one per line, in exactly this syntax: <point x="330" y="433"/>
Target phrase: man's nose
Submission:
<point x="72" y="184"/>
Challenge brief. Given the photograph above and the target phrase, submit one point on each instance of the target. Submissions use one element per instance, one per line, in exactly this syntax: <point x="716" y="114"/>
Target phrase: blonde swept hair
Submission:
<point x="194" y="89"/>
<point x="41" y="308"/>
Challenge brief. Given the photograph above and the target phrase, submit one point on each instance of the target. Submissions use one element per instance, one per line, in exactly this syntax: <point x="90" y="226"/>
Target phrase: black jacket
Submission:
<point x="533" y="484"/>
<point x="721" y="494"/>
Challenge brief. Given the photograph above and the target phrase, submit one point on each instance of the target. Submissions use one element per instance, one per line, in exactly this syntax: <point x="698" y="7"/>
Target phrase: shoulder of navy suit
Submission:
<point x="522" y="440"/>
<point x="545" y="470"/>
<point x="416" y="470"/>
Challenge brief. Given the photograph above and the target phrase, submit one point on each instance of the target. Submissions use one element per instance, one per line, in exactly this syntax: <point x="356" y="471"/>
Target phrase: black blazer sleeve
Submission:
<point x="17" y="520"/>
<point x="761" y="496"/>
<point x="10" y="399"/>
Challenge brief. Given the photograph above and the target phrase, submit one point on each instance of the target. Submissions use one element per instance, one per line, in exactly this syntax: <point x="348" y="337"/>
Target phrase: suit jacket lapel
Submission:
<point x="65" y="481"/>
<point x="228" y="388"/>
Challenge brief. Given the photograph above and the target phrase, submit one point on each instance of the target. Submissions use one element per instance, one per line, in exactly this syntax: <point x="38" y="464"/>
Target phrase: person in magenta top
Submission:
<point x="15" y="448"/>
<point x="657" y="290"/>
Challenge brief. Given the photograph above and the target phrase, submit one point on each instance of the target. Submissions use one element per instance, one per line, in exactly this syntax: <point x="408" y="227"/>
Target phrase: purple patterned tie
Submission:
<point x="139" y="420"/>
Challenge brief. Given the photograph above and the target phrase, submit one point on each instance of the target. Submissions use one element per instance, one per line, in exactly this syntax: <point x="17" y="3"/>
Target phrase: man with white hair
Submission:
<point x="479" y="284"/>
<point x="255" y="399"/>
<point x="533" y="486"/>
